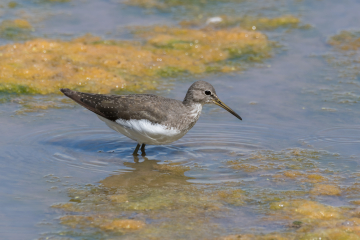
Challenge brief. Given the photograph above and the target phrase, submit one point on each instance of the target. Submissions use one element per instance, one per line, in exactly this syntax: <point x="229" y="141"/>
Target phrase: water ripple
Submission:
<point x="340" y="139"/>
<point x="101" y="149"/>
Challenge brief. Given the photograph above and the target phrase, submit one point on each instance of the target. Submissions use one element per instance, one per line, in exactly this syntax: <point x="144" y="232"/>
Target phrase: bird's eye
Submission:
<point x="207" y="92"/>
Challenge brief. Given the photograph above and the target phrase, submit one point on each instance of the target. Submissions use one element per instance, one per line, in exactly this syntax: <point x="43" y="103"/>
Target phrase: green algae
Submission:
<point x="346" y="40"/>
<point x="166" y="5"/>
<point x="14" y="88"/>
<point x="103" y="222"/>
<point x="302" y="171"/>
<point x="54" y="1"/>
<point x="153" y="191"/>
<point x="250" y="23"/>
<point x="344" y="58"/>
<point x="12" y="4"/>
<point x="318" y="220"/>
<point x="290" y="159"/>
<point x="222" y="14"/>
<point x="18" y="29"/>
<point x="171" y="71"/>
<point x="166" y="205"/>
<point x="92" y="64"/>
<point x="35" y="104"/>
<point x="87" y="64"/>
<point x="209" y="50"/>
<point x="263" y="23"/>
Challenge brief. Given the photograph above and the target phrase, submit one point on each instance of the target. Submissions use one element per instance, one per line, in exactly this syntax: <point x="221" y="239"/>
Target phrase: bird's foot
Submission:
<point x="136" y="158"/>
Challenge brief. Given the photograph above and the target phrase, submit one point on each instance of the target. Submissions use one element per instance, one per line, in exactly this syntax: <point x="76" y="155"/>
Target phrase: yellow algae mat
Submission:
<point x="89" y="64"/>
<point x="160" y="53"/>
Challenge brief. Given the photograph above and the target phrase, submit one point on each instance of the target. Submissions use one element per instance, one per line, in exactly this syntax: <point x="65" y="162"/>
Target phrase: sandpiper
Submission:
<point x="147" y="118"/>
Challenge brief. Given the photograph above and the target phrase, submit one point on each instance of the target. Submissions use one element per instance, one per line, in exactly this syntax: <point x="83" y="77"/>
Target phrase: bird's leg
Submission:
<point x="143" y="149"/>
<point x="136" y="150"/>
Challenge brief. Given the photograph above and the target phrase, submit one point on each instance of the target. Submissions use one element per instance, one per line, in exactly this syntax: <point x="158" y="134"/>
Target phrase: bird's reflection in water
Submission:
<point x="148" y="173"/>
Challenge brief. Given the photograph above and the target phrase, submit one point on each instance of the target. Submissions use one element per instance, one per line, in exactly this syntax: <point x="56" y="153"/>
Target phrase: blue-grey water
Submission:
<point x="289" y="101"/>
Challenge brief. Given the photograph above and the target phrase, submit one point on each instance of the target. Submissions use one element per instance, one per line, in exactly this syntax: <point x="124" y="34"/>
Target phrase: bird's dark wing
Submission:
<point x="113" y="107"/>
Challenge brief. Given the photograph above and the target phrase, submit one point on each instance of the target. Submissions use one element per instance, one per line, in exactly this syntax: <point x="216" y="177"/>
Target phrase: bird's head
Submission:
<point x="204" y="93"/>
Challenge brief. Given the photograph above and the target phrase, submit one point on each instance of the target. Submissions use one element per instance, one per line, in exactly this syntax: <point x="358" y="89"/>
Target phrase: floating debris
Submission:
<point x="214" y="20"/>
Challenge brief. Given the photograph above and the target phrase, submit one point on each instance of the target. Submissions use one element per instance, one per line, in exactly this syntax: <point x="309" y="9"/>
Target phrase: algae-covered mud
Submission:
<point x="92" y="65"/>
<point x="289" y="170"/>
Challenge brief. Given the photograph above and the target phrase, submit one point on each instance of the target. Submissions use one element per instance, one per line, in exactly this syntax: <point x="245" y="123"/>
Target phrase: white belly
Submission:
<point x="143" y="131"/>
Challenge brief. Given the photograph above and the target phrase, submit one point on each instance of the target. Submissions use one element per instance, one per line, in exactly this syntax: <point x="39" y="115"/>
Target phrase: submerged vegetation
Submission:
<point x="18" y="29"/>
<point x="345" y="59"/>
<point x="346" y="40"/>
<point x="158" y="201"/>
<point x="207" y="13"/>
<point x="347" y="55"/>
<point x="166" y="5"/>
<point x="247" y="22"/>
<point x="157" y="196"/>
<point x="33" y="104"/>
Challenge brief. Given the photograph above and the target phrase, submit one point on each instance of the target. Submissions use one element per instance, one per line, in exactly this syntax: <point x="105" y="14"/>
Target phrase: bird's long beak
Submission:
<point x="217" y="101"/>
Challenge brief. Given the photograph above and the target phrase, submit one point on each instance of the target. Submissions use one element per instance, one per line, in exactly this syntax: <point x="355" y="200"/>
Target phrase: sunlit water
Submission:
<point x="286" y="103"/>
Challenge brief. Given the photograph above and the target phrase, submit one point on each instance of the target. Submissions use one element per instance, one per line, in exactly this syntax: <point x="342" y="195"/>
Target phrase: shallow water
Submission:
<point x="291" y="101"/>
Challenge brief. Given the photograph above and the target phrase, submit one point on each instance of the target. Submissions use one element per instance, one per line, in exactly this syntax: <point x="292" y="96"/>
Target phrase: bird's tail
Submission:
<point x="83" y="99"/>
<point x="67" y="92"/>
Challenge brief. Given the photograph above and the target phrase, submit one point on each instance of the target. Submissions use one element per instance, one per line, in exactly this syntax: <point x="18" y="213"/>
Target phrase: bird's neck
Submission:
<point x="194" y="111"/>
<point x="194" y="108"/>
<point x="189" y="102"/>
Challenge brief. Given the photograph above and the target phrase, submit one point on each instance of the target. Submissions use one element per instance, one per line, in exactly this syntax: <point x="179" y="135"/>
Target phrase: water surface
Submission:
<point x="290" y="110"/>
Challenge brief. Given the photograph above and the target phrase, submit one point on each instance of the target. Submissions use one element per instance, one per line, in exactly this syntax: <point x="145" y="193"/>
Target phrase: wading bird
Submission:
<point x="147" y="118"/>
